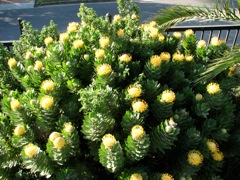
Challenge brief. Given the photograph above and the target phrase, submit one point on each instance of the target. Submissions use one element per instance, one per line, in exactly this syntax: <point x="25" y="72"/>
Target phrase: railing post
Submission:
<point x="20" y="25"/>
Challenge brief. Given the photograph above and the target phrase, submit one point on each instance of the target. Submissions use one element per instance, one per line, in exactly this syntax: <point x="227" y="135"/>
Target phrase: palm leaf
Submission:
<point x="219" y="65"/>
<point x="221" y="10"/>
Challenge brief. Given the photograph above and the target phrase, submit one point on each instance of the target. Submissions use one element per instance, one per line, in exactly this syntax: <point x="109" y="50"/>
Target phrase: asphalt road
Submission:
<point x="63" y="14"/>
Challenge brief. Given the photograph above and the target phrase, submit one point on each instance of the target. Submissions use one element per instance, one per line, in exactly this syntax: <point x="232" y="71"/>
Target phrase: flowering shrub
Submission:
<point x="116" y="100"/>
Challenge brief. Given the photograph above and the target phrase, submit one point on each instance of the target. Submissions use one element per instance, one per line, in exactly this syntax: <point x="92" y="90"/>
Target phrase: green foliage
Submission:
<point x="118" y="100"/>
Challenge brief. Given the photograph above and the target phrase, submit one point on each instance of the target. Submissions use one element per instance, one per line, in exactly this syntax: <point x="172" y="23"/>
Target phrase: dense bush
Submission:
<point x="116" y="100"/>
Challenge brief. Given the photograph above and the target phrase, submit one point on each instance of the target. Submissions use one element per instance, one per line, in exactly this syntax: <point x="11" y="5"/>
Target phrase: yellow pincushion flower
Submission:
<point x="189" y="58"/>
<point x="74" y="24"/>
<point x="59" y="142"/>
<point x="38" y="65"/>
<point x="168" y="96"/>
<point x="133" y="16"/>
<point x="213" y="88"/>
<point x="19" y="130"/>
<point x="153" y="23"/>
<point x="104" y="41"/>
<point x="12" y="62"/>
<point x="104" y="69"/>
<point x="188" y="32"/>
<point x="125" y="57"/>
<point x="31" y="150"/>
<point x="178" y="56"/>
<point x="54" y="135"/>
<point x="177" y="35"/>
<point x="48" y="40"/>
<point x="72" y="27"/>
<point x="201" y="44"/>
<point x="46" y="102"/>
<point x="233" y="68"/>
<point x="116" y="18"/>
<point x="78" y="43"/>
<point x="139" y="105"/>
<point x="48" y="85"/>
<point x="99" y="53"/>
<point x="68" y="127"/>
<point x="137" y="132"/>
<point x="161" y="37"/>
<point x="218" y="156"/>
<point x="155" y="60"/>
<point x="28" y="55"/>
<point x="215" y="41"/>
<point x="63" y="37"/>
<point x="212" y="145"/>
<point x="136" y="176"/>
<point x="195" y="158"/>
<point x="108" y="140"/>
<point x="120" y="33"/>
<point x="165" y="56"/>
<point x="167" y="176"/>
<point x="154" y="33"/>
<point x="15" y="105"/>
<point x="134" y="90"/>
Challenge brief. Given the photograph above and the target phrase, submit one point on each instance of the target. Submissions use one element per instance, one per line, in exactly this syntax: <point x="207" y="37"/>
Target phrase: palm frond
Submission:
<point x="221" y="10"/>
<point x="219" y="65"/>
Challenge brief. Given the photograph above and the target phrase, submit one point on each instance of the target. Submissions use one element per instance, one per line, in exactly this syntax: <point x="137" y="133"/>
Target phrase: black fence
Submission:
<point x="229" y="33"/>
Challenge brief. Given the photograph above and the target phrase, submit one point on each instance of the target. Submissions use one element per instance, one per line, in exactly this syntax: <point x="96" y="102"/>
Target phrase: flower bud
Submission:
<point x="108" y="140"/>
<point x="218" y="156"/>
<point x="19" y="130"/>
<point x="12" y="62"/>
<point x="134" y="90"/>
<point x="189" y="58"/>
<point x="59" y="142"/>
<point x="104" y="69"/>
<point x="168" y="96"/>
<point x="38" y="65"/>
<point x="28" y="55"/>
<point x="99" y="53"/>
<point x="198" y="97"/>
<point x="46" y="102"/>
<point x="86" y="57"/>
<point x="104" y="41"/>
<point x="136" y="176"/>
<point x="137" y="132"/>
<point x="133" y="16"/>
<point x="31" y="150"/>
<point x="125" y="58"/>
<point x="68" y="127"/>
<point x="139" y="105"/>
<point x="48" y="85"/>
<point x="161" y="37"/>
<point x="78" y="44"/>
<point x="48" y="40"/>
<point x="15" y="105"/>
<point x="212" y="145"/>
<point x="54" y="135"/>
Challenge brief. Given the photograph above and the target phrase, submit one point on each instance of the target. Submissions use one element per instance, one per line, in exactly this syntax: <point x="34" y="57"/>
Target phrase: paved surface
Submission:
<point x="63" y="14"/>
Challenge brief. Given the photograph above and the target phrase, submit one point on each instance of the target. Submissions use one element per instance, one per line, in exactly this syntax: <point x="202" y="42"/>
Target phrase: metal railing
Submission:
<point x="229" y="33"/>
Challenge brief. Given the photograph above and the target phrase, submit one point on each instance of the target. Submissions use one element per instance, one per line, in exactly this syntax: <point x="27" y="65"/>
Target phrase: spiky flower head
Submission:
<point x="167" y="176"/>
<point x="188" y="33"/>
<point x="78" y="43"/>
<point x="168" y="96"/>
<point x="178" y="56"/>
<point x="154" y="33"/>
<point x="48" y="40"/>
<point x="212" y="145"/>
<point x="137" y="132"/>
<point x="165" y="56"/>
<point x="68" y="127"/>
<point x="108" y="140"/>
<point x="15" y="105"/>
<point x="189" y="58"/>
<point x="177" y="35"/>
<point x="161" y="37"/>
<point x="213" y="88"/>
<point x="198" y="97"/>
<point x="134" y="16"/>
<point x="218" y="156"/>
<point x="59" y="142"/>
<point x="139" y="105"/>
<point x="12" y="62"/>
<point x="47" y="85"/>
<point x="201" y="44"/>
<point x="195" y="158"/>
<point x="134" y="90"/>
<point x="215" y="41"/>
<point x="116" y="18"/>
<point x="46" y="102"/>
<point x="99" y="53"/>
<point x="104" y="69"/>
<point x="104" y="41"/>
<point x="31" y="150"/>
<point x="19" y="130"/>
<point x="63" y="37"/>
<point x="136" y="176"/>
<point x="125" y="57"/>
<point x="120" y="33"/>
<point x="54" y="135"/>
<point x="38" y="65"/>
<point x="72" y="27"/>
<point x="155" y="60"/>
<point x="28" y="55"/>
